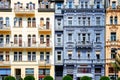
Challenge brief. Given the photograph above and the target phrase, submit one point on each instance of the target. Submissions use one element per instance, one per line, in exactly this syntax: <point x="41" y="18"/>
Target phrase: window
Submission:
<point x="29" y="40"/>
<point x="58" y="5"/>
<point x="86" y="4"/>
<point x="113" y="5"/>
<point x="78" y="54"/>
<point x="79" y="20"/>
<point x="59" y="56"/>
<point x="7" y="56"/>
<point x="115" y="20"/>
<point x="111" y="20"/>
<point x="1" y="40"/>
<point x="47" y="40"/>
<point x="79" y="36"/>
<point x="113" y="52"/>
<point x="20" y="40"/>
<point x="1" y="56"/>
<point x="1" y="22"/>
<point x="20" y="22"/>
<point x="88" y="37"/>
<point x="29" y="22"/>
<point x="69" y="54"/>
<point x="69" y="21"/>
<point x="82" y="6"/>
<point x="88" y="21"/>
<point x="44" y="72"/>
<point x="34" y="39"/>
<point x="98" y="5"/>
<point x="17" y="56"/>
<point x="47" y="57"/>
<point x="7" y="39"/>
<point x="47" y="23"/>
<point x="69" y="37"/>
<point x="113" y="36"/>
<point x="83" y="38"/>
<point x="59" y="39"/>
<point x="41" y="39"/>
<point x="97" y="37"/>
<point x="97" y="70"/>
<point x="41" y="22"/>
<point x="59" y="23"/>
<point x="97" y="54"/>
<point x="31" y="56"/>
<point x="98" y="21"/>
<point x="88" y="54"/>
<point x="84" y="21"/>
<point x="7" y="22"/>
<point x="84" y="70"/>
<point x="15" y="39"/>
<point x="41" y="56"/>
<point x="29" y="71"/>
<point x="34" y="22"/>
<point x="70" y="4"/>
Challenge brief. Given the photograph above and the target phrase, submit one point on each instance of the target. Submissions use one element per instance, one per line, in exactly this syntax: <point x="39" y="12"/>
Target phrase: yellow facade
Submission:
<point x="23" y="10"/>
<point x="112" y="37"/>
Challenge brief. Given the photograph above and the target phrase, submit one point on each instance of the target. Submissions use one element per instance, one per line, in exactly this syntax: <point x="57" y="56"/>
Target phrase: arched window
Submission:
<point x="41" y="39"/>
<point x="29" y="22"/>
<point x="115" y="20"/>
<point x="20" y="40"/>
<point x="47" y="23"/>
<point x="111" y="20"/>
<point x="7" y="39"/>
<point x="33" y="22"/>
<point x="1" y="22"/>
<point x="20" y="22"/>
<point x="34" y="39"/>
<point x="29" y="40"/>
<point x="7" y="22"/>
<point x="41" y="22"/>
<point x="15" y="39"/>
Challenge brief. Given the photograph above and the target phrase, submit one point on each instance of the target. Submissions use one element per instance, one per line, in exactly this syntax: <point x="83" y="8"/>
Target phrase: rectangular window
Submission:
<point x="70" y="4"/>
<point x="59" y="23"/>
<point x="97" y="54"/>
<point x="113" y="52"/>
<point x="31" y="56"/>
<point x="7" y="56"/>
<point x="83" y="38"/>
<point x="29" y="71"/>
<point x="78" y="54"/>
<point x="79" y="20"/>
<point x="86" y="4"/>
<point x="98" y="5"/>
<point x="69" y="37"/>
<point x="58" y="5"/>
<point x="1" y="40"/>
<point x="70" y="21"/>
<point x="88" y="54"/>
<point x="17" y="56"/>
<point x="59" y="56"/>
<point x="97" y="37"/>
<point x="44" y="72"/>
<point x="113" y="36"/>
<point x="82" y="6"/>
<point x="97" y="21"/>
<point x="113" y="5"/>
<point x="84" y="70"/>
<point x="41" y="56"/>
<point x="97" y="70"/>
<point x="79" y="37"/>
<point x="84" y="21"/>
<point x="70" y="54"/>
<point x="1" y="56"/>
<point x="88" y="21"/>
<point x="47" y="57"/>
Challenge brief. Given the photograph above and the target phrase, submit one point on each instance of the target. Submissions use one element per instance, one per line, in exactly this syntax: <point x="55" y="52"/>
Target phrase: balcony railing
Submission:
<point x="44" y="63"/>
<point x="4" y="63"/>
<point x="113" y="43"/>
<point x="84" y="44"/>
<point x="84" y="61"/>
<point x="4" y="27"/>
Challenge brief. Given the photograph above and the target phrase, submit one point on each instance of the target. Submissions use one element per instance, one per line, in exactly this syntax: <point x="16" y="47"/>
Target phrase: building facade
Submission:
<point x="26" y="38"/>
<point x="83" y="38"/>
<point x="112" y="36"/>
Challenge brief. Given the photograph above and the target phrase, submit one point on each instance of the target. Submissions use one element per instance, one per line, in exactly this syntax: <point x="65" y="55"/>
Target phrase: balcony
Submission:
<point x="112" y="43"/>
<point x="26" y="46"/>
<point x="5" y="6"/>
<point x="84" y="61"/>
<point x="58" y="28"/>
<point x="5" y="29"/>
<point x="84" y="44"/>
<point x="116" y="9"/>
<point x="44" y="30"/>
<point x="4" y="63"/>
<point x="44" y="63"/>
<point x="59" y="45"/>
<point x="24" y="12"/>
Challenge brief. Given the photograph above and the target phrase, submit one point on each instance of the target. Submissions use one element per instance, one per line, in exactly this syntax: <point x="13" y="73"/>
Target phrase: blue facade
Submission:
<point x="82" y="38"/>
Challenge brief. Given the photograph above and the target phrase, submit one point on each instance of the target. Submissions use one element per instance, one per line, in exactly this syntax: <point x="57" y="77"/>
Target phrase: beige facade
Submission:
<point x="26" y="46"/>
<point x="112" y="36"/>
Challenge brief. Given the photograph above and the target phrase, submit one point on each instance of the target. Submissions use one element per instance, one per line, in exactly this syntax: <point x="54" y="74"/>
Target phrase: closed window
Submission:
<point x="41" y="56"/>
<point x="111" y="20"/>
<point x="69" y="21"/>
<point x="31" y="56"/>
<point x="97" y="37"/>
<point x="115" y="20"/>
<point x="113" y="4"/>
<point x="29" y="71"/>
<point x="97" y="54"/>
<point x="69" y="37"/>
<point x="113" y="36"/>
<point x="17" y="56"/>
<point x="59" y="55"/>
<point x="98" y="21"/>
